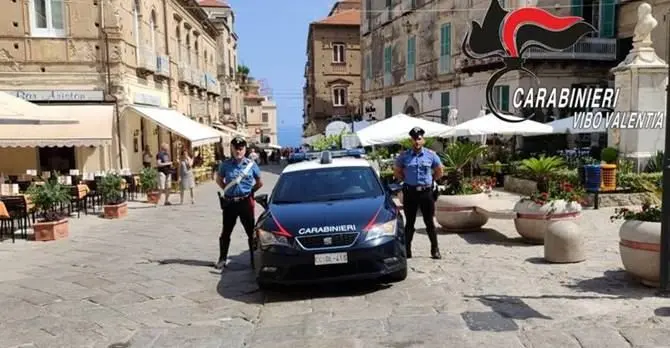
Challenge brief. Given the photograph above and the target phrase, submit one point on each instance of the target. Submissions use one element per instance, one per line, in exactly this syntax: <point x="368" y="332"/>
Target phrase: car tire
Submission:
<point x="397" y="276"/>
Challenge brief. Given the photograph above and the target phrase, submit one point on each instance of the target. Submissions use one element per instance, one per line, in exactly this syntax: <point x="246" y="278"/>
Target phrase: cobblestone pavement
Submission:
<point x="146" y="281"/>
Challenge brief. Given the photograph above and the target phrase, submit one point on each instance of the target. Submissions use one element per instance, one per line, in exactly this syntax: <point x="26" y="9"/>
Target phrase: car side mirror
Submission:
<point x="394" y="188"/>
<point x="262" y="199"/>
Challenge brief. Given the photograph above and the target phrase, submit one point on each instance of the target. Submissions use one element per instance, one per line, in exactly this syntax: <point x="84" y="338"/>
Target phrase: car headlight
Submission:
<point x="387" y="229"/>
<point x="268" y="238"/>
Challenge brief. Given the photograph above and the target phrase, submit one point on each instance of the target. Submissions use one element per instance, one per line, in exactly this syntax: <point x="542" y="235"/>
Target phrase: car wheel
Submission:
<point x="397" y="276"/>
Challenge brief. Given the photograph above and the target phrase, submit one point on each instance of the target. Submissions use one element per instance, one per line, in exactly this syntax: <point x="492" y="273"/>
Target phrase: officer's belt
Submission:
<point x="419" y="187"/>
<point x="237" y="198"/>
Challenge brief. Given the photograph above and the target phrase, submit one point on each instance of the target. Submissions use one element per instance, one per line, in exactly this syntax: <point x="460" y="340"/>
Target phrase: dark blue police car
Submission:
<point x="329" y="218"/>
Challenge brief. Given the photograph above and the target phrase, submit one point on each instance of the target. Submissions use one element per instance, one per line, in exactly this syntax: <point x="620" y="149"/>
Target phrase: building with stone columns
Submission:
<point x="146" y="69"/>
<point x="413" y="64"/>
<point x="333" y="68"/>
<point x="232" y="95"/>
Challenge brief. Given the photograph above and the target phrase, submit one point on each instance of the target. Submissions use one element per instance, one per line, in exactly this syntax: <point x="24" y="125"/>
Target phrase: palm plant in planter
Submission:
<point x="640" y="239"/>
<point x="455" y="206"/>
<point x="47" y="197"/>
<point x="541" y="168"/>
<point x="149" y="184"/>
<point x="115" y="205"/>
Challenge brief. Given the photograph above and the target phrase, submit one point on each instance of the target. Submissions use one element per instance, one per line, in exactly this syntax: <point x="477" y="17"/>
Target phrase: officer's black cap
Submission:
<point x="416" y="132"/>
<point x="238" y="142"/>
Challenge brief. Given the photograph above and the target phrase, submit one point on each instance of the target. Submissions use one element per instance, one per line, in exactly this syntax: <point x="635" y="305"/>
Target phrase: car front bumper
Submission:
<point x="284" y="266"/>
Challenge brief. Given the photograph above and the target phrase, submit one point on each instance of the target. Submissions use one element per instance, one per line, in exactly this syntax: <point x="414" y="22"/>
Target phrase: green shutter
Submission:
<point x="388" y="107"/>
<point x="577" y="7"/>
<point x="387" y="59"/>
<point x="444" y="105"/>
<point x="369" y="66"/>
<point x="607" y="25"/>
<point x="504" y="98"/>
<point x="445" y="40"/>
<point x="411" y="58"/>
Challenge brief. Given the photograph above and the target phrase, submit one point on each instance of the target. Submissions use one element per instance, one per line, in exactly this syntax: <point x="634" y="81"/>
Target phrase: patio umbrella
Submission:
<point x="566" y="125"/>
<point x="490" y="124"/>
<point x="396" y="128"/>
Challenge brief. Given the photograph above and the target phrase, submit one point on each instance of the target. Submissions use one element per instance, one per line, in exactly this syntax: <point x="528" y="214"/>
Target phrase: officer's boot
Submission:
<point x="434" y="248"/>
<point x="251" y="251"/>
<point x="408" y="243"/>
<point x="224" y="245"/>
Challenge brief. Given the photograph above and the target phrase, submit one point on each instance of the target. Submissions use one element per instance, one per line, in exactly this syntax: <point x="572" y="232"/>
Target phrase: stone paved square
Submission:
<point x="138" y="283"/>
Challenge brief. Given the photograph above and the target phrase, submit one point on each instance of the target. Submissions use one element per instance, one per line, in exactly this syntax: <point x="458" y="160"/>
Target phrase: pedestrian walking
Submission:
<point x="239" y="177"/>
<point x="186" y="178"/>
<point x="164" y="164"/>
<point x="418" y="167"/>
<point x="147" y="157"/>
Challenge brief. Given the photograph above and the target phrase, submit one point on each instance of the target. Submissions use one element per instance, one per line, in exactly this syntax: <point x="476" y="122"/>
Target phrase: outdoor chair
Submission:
<point x="17" y="208"/>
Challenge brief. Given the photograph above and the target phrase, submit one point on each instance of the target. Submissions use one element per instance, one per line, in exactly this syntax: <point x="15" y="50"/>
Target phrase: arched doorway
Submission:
<point x="411" y="106"/>
<point x="409" y="111"/>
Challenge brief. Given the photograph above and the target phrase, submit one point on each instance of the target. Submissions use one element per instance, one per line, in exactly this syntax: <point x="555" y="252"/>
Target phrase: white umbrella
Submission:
<point x="566" y="125"/>
<point x="396" y="128"/>
<point x="490" y="124"/>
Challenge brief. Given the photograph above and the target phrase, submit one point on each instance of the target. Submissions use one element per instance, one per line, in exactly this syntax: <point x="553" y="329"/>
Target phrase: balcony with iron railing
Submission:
<point x="338" y="68"/>
<point x="163" y="66"/>
<point x="587" y="49"/>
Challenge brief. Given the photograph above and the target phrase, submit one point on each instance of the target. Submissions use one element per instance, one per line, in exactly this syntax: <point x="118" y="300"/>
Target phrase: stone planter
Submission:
<point x="640" y="247"/>
<point x="532" y="219"/>
<point x="153" y="197"/>
<point x="54" y="230"/>
<point x="457" y="213"/>
<point x="116" y="211"/>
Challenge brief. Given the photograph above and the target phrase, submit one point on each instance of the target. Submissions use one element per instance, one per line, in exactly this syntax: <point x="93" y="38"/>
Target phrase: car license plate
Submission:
<point x="330" y="259"/>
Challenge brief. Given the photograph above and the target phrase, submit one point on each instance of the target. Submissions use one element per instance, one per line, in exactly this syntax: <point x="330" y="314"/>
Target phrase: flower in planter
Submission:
<point x="564" y="191"/>
<point x="648" y="213"/>
<point x="477" y="185"/>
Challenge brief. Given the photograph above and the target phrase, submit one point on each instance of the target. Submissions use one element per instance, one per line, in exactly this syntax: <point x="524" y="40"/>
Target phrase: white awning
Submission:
<point x="198" y="134"/>
<point x="89" y="125"/>
<point x="14" y="110"/>
<point x="229" y="130"/>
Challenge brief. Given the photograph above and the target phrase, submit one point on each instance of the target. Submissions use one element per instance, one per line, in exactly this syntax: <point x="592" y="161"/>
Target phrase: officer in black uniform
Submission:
<point x="238" y="198"/>
<point x="417" y="168"/>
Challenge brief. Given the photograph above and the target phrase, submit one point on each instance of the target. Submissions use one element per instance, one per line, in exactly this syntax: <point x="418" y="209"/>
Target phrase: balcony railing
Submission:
<point x="213" y="85"/>
<point x="185" y="73"/>
<point x="388" y="79"/>
<point x="198" y="78"/>
<point x="147" y="59"/>
<point x="163" y="66"/>
<point x="589" y="48"/>
<point x="339" y="68"/>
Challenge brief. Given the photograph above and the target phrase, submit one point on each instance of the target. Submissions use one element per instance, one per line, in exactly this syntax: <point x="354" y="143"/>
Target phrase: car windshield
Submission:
<point x="328" y="184"/>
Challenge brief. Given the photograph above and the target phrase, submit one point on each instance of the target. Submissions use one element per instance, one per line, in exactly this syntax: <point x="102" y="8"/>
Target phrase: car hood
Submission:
<point x="305" y="219"/>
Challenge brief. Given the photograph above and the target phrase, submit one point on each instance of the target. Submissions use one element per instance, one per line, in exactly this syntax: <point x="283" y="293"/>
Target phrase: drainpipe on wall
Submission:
<point x="117" y="113"/>
<point x="167" y="52"/>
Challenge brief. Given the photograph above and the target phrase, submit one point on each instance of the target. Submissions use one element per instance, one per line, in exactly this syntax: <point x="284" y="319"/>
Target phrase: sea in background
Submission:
<point x="290" y="136"/>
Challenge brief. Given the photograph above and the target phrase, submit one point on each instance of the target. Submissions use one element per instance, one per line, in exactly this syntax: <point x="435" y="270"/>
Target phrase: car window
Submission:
<point x="328" y="184"/>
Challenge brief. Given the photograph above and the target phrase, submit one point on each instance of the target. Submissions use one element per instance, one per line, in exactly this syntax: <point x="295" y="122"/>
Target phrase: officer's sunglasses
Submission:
<point x="418" y="137"/>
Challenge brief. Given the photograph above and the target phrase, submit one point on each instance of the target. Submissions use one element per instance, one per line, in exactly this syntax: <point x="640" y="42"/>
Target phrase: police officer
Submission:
<point x="239" y="200"/>
<point x="417" y="168"/>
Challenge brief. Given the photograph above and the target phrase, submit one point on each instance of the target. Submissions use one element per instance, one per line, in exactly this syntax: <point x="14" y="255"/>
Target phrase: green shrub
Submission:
<point x="609" y="155"/>
<point x="638" y="182"/>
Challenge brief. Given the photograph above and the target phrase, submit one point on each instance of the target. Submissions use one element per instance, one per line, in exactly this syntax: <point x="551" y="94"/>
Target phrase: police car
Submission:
<point x="329" y="218"/>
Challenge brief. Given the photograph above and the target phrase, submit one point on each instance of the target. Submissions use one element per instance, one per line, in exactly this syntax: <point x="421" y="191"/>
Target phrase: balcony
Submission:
<point x="589" y="48"/>
<point x="198" y="79"/>
<point x="185" y="73"/>
<point x="163" y="66"/>
<point x="339" y="68"/>
<point x="147" y="59"/>
<point x="213" y="85"/>
<point x="388" y="79"/>
<point x="367" y="84"/>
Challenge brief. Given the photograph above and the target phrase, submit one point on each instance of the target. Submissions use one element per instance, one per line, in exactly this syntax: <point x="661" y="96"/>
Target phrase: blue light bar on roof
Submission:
<point x="307" y="156"/>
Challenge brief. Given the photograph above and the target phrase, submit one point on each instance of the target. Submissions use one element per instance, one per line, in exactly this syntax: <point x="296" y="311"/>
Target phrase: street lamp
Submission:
<point x="665" y="202"/>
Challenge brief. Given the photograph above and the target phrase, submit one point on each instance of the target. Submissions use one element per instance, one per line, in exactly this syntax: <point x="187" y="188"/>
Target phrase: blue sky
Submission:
<point x="273" y="36"/>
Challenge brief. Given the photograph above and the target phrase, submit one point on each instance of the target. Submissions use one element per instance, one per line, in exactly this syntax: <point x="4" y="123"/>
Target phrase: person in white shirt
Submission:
<point x="253" y="155"/>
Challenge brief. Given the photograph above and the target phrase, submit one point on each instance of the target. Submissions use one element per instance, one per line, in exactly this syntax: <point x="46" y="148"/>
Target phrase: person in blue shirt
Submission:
<point x="238" y="197"/>
<point x="418" y="167"/>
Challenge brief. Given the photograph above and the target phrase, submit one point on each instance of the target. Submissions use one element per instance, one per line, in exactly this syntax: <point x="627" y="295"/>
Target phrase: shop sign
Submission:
<point x="147" y="99"/>
<point x="58" y="95"/>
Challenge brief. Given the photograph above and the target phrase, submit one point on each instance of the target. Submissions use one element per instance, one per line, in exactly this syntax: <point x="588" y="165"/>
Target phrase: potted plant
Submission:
<point x="242" y="73"/>
<point x="496" y="169"/>
<point x="556" y="202"/>
<point x="47" y="197"/>
<point x="540" y="169"/>
<point x="609" y="155"/>
<point x="149" y="184"/>
<point x="455" y="205"/>
<point x="640" y="239"/>
<point x="114" y="204"/>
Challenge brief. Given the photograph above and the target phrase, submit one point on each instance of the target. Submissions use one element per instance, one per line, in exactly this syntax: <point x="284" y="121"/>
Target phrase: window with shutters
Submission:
<point x="388" y="65"/>
<point x="445" y="101"/>
<point x="411" y="59"/>
<point x="47" y="18"/>
<point x="338" y="53"/>
<point x="607" y="25"/>
<point x="501" y="97"/>
<point x="368" y="71"/>
<point x="339" y="96"/>
<point x="388" y="107"/>
<point x="445" y="48"/>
